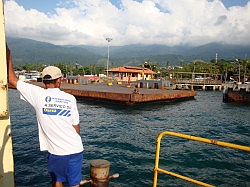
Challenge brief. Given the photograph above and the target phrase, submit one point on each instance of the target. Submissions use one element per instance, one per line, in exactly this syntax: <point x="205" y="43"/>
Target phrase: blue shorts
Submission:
<point x="66" y="168"/>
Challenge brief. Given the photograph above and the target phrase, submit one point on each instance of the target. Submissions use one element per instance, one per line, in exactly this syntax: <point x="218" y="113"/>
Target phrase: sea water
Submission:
<point x="125" y="136"/>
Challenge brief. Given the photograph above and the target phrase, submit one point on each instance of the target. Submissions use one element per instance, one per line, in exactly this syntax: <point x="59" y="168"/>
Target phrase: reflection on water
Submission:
<point x="125" y="135"/>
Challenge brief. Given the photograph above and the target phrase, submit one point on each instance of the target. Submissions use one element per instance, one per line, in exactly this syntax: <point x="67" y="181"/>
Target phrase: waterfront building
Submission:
<point x="131" y="73"/>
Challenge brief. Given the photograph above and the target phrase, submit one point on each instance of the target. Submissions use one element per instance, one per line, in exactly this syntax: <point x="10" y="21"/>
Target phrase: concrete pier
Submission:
<point x="203" y="84"/>
<point x="203" y="87"/>
<point x="124" y="94"/>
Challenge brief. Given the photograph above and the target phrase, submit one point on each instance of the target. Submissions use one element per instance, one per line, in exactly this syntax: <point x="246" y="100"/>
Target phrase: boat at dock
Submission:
<point x="236" y="92"/>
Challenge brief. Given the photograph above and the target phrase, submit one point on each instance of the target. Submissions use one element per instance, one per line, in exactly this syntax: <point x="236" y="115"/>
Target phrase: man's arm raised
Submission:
<point x="12" y="78"/>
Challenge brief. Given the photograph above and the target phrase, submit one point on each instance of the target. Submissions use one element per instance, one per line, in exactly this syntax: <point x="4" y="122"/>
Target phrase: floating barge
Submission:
<point x="234" y="92"/>
<point x="122" y="93"/>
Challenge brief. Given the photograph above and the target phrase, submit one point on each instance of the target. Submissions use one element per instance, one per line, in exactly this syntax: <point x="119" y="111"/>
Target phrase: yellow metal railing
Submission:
<point x="204" y="140"/>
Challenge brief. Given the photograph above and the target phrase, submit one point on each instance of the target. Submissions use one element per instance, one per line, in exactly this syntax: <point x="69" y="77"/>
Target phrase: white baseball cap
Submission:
<point x="51" y="73"/>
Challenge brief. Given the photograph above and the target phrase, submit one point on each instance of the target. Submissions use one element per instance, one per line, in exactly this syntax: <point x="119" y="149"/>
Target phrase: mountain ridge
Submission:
<point x="31" y="51"/>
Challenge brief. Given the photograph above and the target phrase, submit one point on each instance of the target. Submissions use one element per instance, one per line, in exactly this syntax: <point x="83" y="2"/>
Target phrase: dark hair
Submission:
<point x="49" y="81"/>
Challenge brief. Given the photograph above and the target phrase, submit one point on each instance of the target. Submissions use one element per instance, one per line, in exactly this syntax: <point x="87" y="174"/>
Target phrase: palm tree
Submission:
<point x="245" y="64"/>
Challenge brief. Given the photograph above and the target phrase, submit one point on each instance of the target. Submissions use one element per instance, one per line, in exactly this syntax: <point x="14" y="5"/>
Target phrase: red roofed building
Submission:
<point x="131" y="73"/>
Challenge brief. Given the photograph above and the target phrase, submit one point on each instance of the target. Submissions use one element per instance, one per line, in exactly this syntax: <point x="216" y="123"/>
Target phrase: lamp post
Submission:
<point x="109" y="40"/>
<point x="239" y="68"/>
<point x="143" y="69"/>
<point x="193" y="74"/>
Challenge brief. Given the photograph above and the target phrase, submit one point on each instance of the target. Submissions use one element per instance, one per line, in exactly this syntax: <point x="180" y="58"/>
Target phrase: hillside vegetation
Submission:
<point x="30" y="51"/>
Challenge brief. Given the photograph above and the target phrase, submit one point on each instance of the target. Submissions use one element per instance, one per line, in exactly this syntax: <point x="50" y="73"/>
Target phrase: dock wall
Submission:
<point x="132" y="98"/>
<point x="122" y="94"/>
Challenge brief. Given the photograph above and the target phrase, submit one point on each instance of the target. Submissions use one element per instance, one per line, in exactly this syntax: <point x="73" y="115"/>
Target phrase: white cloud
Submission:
<point x="172" y="22"/>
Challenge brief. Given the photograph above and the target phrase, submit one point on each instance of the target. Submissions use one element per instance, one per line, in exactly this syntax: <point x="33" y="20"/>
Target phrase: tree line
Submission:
<point x="214" y="67"/>
<point x="66" y="68"/>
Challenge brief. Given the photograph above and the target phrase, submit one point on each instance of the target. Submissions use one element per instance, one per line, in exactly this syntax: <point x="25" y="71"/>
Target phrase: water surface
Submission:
<point x="125" y="135"/>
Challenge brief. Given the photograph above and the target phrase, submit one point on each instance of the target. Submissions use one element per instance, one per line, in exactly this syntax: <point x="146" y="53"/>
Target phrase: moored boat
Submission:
<point x="234" y="92"/>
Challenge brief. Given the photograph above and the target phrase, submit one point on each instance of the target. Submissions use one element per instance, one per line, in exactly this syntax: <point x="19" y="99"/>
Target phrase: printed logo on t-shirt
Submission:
<point x="57" y="106"/>
<point x="48" y="99"/>
<point x="56" y="111"/>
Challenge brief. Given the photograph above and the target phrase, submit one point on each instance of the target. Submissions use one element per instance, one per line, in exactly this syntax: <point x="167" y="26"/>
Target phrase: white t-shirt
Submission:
<point x="56" y="112"/>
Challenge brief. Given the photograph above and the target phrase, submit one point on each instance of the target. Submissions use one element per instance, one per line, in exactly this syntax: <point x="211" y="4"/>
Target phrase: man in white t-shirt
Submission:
<point x="58" y="124"/>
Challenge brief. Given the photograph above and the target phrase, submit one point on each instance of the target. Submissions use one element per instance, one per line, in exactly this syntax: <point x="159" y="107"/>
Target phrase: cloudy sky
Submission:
<point x="166" y="22"/>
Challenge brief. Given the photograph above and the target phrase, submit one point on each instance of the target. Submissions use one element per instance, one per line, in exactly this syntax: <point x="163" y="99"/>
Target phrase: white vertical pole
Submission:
<point x="109" y="40"/>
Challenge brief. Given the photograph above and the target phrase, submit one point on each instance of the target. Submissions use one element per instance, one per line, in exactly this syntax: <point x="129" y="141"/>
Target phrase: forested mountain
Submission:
<point x="30" y="51"/>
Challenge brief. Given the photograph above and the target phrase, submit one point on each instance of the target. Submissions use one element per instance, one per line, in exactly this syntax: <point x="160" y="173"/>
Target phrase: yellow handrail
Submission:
<point x="204" y="140"/>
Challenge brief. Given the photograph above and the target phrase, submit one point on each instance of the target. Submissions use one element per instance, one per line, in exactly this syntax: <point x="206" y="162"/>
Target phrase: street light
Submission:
<point x="109" y="40"/>
<point x="239" y="68"/>
<point x="143" y="69"/>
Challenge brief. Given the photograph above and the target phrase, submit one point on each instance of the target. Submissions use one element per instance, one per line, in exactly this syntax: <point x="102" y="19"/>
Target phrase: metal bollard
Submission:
<point x="99" y="173"/>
